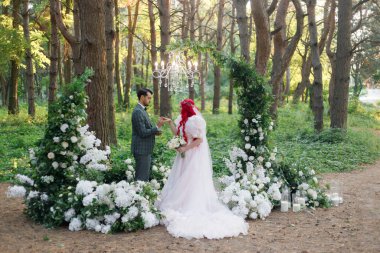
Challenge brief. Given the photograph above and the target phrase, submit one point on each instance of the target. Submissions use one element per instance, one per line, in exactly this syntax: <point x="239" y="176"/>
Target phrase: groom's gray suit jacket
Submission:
<point x="143" y="132"/>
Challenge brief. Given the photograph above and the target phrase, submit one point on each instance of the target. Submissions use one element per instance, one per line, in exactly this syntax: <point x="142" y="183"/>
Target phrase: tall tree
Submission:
<point x="67" y="64"/>
<point x="54" y="48"/>
<point x="282" y="53"/>
<point x="233" y="49"/>
<point x="132" y="23"/>
<point x="73" y="39"/>
<point x="242" y="20"/>
<point x="153" y="52"/>
<point x="110" y="43"/>
<point x="117" y="55"/>
<point x="343" y="58"/>
<point x="93" y="55"/>
<point x="217" y="70"/>
<point x="15" y="64"/>
<point x="28" y="59"/>
<point x="263" y="39"/>
<point x="164" y="11"/>
<point x="317" y="104"/>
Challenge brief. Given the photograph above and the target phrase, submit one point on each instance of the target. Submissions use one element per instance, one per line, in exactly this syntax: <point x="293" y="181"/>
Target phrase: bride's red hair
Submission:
<point x="187" y="111"/>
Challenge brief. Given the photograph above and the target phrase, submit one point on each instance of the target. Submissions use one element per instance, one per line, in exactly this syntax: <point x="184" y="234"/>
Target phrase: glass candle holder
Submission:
<point x="296" y="204"/>
<point x="285" y="204"/>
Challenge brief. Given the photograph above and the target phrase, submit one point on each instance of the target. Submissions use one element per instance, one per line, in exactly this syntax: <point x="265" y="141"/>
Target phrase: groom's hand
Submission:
<point x="160" y="122"/>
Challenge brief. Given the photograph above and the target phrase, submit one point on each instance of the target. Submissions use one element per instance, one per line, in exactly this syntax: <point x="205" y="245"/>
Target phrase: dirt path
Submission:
<point x="351" y="227"/>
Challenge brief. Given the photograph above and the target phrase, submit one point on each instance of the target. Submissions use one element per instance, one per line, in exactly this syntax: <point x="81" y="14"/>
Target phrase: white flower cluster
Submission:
<point x="126" y="200"/>
<point x="94" y="158"/>
<point x="176" y="142"/>
<point x="130" y="171"/>
<point x="24" y="179"/>
<point x="163" y="171"/>
<point x="16" y="191"/>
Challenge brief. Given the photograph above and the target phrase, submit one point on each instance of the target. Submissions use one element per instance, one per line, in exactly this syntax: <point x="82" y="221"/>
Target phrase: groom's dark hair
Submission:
<point x="143" y="92"/>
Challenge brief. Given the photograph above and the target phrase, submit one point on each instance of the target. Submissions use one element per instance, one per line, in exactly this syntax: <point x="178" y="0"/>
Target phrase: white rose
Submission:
<point x="74" y="139"/>
<point x="51" y="155"/>
<point x="128" y="161"/>
<point x="251" y="158"/>
<point x="56" y="139"/>
<point x="247" y="146"/>
<point x="246" y="121"/>
<point x="65" y="144"/>
<point x="270" y="128"/>
<point x="268" y="164"/>
<point x="55" y="165"/>
<point x="64" y="127"/>
<point x="247" y="138"/>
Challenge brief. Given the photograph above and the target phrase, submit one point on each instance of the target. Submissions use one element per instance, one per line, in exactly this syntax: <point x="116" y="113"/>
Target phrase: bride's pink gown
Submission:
<point x="189" y="200"/>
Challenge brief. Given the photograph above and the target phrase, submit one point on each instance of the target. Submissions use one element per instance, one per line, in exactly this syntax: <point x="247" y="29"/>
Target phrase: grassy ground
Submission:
<point x="294" y="136"/>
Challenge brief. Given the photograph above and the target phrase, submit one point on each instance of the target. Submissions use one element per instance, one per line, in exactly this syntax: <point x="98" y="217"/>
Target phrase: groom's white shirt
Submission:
<point x="159" y="128"/>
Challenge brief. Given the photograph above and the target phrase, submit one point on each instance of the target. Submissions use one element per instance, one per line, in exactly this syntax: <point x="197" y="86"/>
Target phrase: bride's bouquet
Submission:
<point x="177" y="142"/>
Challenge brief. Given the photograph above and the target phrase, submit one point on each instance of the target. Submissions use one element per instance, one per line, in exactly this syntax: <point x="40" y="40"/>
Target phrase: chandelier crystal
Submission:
<point x="177" y="74"/>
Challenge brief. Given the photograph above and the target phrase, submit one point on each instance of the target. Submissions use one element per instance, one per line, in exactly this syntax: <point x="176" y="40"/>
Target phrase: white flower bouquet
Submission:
<point x="177" y="142"/>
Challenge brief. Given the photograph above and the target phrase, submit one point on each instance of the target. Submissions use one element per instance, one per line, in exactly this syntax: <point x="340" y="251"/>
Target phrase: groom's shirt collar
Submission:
<point x="142" y="106"/>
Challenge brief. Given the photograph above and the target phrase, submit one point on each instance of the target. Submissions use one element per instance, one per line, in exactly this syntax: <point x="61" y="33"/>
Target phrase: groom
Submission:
<point x="143" y="135"/>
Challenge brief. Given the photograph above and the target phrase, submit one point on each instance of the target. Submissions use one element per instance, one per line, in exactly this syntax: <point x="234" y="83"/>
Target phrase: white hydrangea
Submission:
<point x="16" y="191"/>
<point x="47" y="179"/>
<point x="24" y="179"/>
<point x="149" y="219"/>
<point x="32" y="194"/>
<point x="89" y="199"/>
<point x="92" y="224"/>
<point x="70" y="213"/>
<point x="75" y="224"/>
<point x="85" y="187"/>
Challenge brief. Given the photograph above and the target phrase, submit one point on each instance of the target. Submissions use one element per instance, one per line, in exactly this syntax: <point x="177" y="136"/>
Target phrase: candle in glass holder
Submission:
<point x="296" y="207"/>
<point x="335" y="199"/>
<point x="285" y="200"/>
<point x="284" y="206"/>
<point x="302" y="202"/>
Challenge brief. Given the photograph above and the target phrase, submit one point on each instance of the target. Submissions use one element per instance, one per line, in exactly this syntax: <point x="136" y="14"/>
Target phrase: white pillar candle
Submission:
<point x="335" y="201"/>
<point x="296" y="207"/>
<point x="284" y="206"/>
<point x="302" y="202"/>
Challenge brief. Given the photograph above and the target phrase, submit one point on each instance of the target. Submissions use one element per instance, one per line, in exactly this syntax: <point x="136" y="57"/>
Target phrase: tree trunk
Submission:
<point x="153" y="52"/>
<point x="263" y="39"/>
<point x="282" y="56"/>
<point x="217" y="70"/>
<point x="232" y="46"/>
<point x="15" y="65"/>
<point x="94" y="56"/>
<point x="317" y="105"/>
<point x="164" y="11"/>
<point x="28" y="60"/>
<point x="117" y="56"/>
<point x="242" y="20"/>
<point x="4" y="90"/>
<point x="132" y="22"/>
<point x="200" y="62"/>
<point x="191" y="23"/>
<point x="110" y="40"/>
<point x="343" y="60"/>
<point x="54" y="47"/>
<point x="330" y="53"/>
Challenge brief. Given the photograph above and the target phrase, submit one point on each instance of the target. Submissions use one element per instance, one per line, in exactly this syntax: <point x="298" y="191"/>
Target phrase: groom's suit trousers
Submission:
<point x="143" y="140"/>
<point x="143" y="167"/>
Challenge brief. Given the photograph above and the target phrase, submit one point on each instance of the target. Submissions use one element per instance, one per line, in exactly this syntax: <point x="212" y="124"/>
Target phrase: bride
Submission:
<point x="188" y="200"/>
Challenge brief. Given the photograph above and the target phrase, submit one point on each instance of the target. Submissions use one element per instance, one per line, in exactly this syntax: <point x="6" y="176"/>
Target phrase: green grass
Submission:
<point x="295" y="138"/>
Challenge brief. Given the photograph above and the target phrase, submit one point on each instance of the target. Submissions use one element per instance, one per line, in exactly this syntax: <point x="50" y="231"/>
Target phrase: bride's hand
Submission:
<point x="181" y="149"/>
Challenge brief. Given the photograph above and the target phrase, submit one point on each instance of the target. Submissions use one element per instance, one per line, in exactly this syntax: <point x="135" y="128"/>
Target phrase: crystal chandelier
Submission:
<point x="178" y="74"/>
